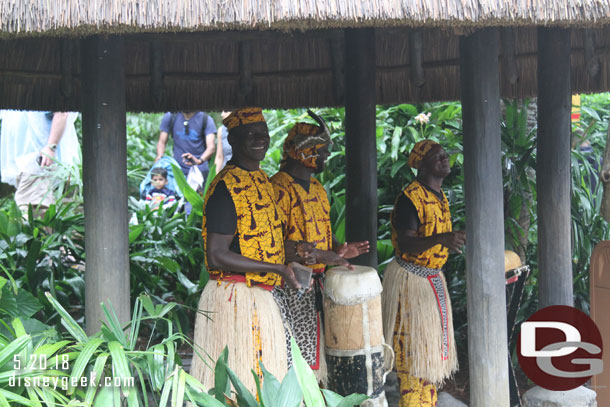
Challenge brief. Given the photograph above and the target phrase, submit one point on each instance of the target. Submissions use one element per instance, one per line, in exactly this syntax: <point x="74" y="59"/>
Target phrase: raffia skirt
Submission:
<point x="248" y="321"/>
<point x="412" y="309"/>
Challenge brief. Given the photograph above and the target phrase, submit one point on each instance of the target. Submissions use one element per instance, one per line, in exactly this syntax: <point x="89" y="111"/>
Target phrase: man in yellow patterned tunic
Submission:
<point x="304" y="203"/>
<point x="245" y="256"/>
<point x="416" y="306"/>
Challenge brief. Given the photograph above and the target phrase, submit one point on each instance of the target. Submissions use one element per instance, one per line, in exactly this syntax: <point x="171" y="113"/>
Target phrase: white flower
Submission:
<point x="423" y="118"/>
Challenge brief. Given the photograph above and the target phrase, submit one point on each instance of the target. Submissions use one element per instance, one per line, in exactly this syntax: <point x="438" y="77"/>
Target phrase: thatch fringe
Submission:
<point x="420" y="324"/>
<point x="237" y="315"/>
<point x="201" y="70"/>
<point x="129" y="16"/>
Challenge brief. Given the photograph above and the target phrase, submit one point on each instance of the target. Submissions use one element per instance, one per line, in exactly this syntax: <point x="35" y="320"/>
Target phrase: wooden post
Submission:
<point x="360" y="141"/>
<point x="553" y="168"/>
<point x="487" y="337"/>
<point x="105" y="179"/>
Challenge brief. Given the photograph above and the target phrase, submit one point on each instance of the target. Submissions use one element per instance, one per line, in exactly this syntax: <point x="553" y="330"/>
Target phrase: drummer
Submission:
<point x="305" y="205"/>
<point x="416" y="306"/>
<point x="245" y="256"/>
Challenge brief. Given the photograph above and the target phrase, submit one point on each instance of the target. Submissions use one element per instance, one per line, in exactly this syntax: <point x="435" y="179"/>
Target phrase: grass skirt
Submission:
<point x="419" y="324"/>
<point x="248" y="321"/>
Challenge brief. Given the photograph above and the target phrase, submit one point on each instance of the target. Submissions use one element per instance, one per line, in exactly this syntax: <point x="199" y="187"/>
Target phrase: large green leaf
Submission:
<point x="244" y="397"/>
<point x="98" y="369"/>
<point x="189" y="193"/>
<point x="21" y="305"/>
<point x="119" y="363"/>
<point x="222" y="385"/>
<point x="271" y="388"/>
<point x="34" y="277"/>
<point x="352" y="400"/>
<point x="156" y="366"/>
<point x="67" y="321"/>
<point x="82" y="361"/>
<point x="332" y="399"/>
<point x="290" y="394"/>
<point x="306" y="378"/>
<point x="7" y="354"/>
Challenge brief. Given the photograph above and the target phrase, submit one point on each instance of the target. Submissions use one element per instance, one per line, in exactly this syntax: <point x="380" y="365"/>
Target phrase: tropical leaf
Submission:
<point x="306" y="378"/>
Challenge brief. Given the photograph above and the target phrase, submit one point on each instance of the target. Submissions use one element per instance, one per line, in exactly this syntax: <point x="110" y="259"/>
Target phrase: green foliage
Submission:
<point x="299" y="386"/>
<point x="166" y="258"/>
<point x="113" y="354"/>
<point x="40" y="255"/>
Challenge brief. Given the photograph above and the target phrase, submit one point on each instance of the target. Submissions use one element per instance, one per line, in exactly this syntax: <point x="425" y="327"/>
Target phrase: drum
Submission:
<point x="357" y="357"/>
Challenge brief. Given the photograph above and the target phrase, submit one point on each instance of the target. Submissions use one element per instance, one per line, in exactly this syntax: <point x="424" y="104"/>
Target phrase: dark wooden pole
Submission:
<point x="553" y="168"/>
<point x="105" y="179"/>
<point x="360" y="141"/>
<point x="487" y="337"/>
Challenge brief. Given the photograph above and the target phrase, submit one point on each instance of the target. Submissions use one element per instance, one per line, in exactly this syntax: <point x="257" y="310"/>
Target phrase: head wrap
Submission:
<point x="243" y="116"/>
<point x="420" y="149"/>
<point x="304" y="140"/>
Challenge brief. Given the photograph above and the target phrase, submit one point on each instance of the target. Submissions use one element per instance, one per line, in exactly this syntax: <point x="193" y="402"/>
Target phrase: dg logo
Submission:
<point x="560" y="348"/>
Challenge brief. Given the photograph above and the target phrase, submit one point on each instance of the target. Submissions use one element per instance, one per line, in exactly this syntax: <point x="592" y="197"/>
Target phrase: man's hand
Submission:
<point x="305" y="251"/>
<point x="189" y="159"/>
<point x="454" y="241"/>
<point x="47" y="156"/>
<point x="353" y="249"/>
<point x="288" y="276"/>
<point x="331" y="258"/>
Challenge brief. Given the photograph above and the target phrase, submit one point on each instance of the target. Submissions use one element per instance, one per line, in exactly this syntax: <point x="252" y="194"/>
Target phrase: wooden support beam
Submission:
<point x="416" y="60"/>
<point x="360" y="141"/>
<point x="487" y="334"/>
<point x="156" y="73"/>
<point x="553" y="168"/>
<point x="105" y="179"/>
<point x="245" y="74"/>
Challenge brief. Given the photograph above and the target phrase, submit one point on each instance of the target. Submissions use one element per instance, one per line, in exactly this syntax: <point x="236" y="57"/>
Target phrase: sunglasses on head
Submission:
<point x="186" y="127"/>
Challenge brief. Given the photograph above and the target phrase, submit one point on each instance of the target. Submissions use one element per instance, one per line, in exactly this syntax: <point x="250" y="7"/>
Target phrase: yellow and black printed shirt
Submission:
<point x="306" y="212"/>
<point x="434" y="218"/>
<point x="258" y="226"/>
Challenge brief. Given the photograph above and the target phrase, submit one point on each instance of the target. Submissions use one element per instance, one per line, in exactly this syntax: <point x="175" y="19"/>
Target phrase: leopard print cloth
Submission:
<point x="300" y="321"/>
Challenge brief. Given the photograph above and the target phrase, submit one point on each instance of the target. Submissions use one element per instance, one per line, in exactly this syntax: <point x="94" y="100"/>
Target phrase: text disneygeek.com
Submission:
<point x="65" y="382"/>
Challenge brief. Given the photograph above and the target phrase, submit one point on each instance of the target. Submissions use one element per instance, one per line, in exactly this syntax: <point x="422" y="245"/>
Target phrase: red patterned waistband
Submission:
<point x="239" y="278"/>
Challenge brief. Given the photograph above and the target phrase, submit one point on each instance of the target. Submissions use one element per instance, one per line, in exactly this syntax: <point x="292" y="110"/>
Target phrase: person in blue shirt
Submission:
<point x="194" y="139"/>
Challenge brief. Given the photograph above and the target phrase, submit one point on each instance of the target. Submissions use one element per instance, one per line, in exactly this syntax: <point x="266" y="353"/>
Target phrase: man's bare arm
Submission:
<point x="409" y="242"/>
<point x="58" y="125"/>
<point x="221" y="257"/>
<point x="163" y="136"/>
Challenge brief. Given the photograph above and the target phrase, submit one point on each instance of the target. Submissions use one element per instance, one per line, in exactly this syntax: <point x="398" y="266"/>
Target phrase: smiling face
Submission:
<point x="250" y="143"/>
<point x="436" y="162"/>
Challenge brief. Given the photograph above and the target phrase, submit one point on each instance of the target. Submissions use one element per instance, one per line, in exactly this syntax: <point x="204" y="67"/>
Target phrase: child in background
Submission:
<point x="159" y="195"/>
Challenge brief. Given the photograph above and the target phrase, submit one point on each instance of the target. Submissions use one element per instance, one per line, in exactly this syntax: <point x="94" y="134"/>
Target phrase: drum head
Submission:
<point x="350" y="287"/>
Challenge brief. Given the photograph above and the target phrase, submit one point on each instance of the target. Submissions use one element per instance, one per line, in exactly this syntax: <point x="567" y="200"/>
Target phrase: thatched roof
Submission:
<point x="217" y="70"/>
<point x="213" y="54"/>
<point x="127" y="16"/>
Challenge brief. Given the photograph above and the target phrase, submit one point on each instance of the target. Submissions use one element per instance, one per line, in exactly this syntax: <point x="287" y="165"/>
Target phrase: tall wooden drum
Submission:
<point x="357" y="356"/>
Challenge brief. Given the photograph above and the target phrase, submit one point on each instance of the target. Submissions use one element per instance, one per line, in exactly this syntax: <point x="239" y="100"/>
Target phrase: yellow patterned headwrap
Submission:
<point x="420" y="149"/>
<point x="243" y="116"/>
<point x="303" y="142"/>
